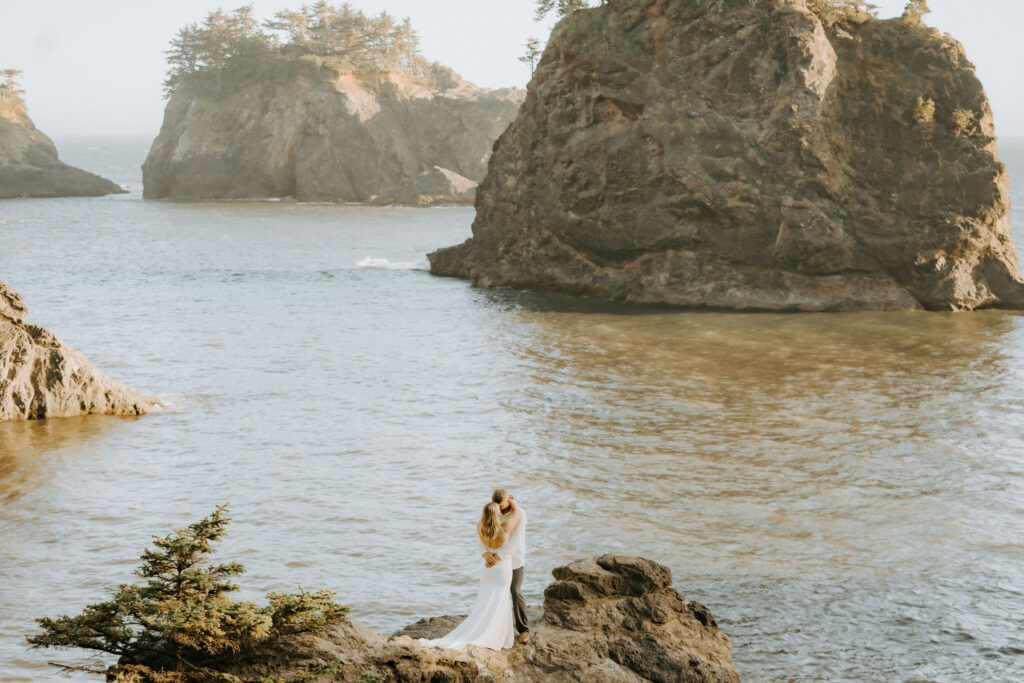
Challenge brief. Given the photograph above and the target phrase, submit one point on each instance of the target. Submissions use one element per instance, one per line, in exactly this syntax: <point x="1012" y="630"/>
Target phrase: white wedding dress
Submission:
<point x="490" y="623"/>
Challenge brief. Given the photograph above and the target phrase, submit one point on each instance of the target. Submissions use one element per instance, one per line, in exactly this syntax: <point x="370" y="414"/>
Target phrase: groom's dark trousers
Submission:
<point x="518" y="604"/>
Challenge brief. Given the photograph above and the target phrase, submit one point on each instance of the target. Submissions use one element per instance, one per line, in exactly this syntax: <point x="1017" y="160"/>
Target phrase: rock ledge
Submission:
<point x="606" y="619"/>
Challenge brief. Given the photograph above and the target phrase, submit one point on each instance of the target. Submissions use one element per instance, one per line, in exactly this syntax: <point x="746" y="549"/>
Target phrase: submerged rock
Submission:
<point x="773" y="155"/>
<point x="609" y="618"/>
<point x="29" y="166"/>
<point x="41" y="376"/>
<point x="338" y="138"/>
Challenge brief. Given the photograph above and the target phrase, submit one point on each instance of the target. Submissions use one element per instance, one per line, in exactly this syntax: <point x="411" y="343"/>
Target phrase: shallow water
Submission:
<point x="844" y="492"/>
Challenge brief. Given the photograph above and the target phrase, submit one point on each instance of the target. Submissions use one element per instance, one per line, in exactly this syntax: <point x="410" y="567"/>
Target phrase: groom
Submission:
<point x="517" y="556"/>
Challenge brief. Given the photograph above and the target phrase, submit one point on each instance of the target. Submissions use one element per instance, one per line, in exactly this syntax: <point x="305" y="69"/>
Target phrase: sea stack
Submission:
<point x="780" y="155"/>
<point x="29" y="166"/>
<point x="42" y="377"/>
<point x="331" y="105"/>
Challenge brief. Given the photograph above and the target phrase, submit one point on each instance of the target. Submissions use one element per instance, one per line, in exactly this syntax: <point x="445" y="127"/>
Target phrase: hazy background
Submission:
<point x="96" y="67"/>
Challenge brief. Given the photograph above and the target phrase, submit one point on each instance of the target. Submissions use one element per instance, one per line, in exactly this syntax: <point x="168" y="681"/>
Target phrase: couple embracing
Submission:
<point x="498" y="618"/>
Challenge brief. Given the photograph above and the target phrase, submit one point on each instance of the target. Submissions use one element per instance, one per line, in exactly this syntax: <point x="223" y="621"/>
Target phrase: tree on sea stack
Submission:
<point x="533" y="51"/>
<point x="916" y="10"/>
<point x="180" y="625"/>
<point x="9" y="86"/>
<point x="564" y="7"/>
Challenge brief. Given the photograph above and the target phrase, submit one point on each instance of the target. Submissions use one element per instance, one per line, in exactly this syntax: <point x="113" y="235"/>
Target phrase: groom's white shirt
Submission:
<point x="517" y="542"/>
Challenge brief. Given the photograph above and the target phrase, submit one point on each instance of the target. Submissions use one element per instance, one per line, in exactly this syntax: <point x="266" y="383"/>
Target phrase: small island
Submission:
<point x="29" y="166"/>
<point x="323" y="104"/>
<point x="799" y="155"/>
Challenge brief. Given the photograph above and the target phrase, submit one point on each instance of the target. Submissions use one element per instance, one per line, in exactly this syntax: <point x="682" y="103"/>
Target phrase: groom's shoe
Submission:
<point x="524" y="637"/>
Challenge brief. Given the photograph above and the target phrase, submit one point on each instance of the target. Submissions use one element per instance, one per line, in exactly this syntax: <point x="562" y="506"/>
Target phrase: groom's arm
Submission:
<point x="491" y="559"/>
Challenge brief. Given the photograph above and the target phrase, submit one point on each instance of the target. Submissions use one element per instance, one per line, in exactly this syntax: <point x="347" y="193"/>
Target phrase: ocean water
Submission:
<point x="844" y="492"/>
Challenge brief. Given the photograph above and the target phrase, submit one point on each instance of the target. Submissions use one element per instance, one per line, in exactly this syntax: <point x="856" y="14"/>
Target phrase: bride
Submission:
<point x="490" y="624"/>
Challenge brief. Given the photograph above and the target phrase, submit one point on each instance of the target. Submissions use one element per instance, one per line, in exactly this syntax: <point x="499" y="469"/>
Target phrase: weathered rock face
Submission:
<point x="41" y="376"/>
<point x="748" y="156"/>
<point x="348" y="139"/>
<point x="610" y="618"/>
<point x="29" y="166"/>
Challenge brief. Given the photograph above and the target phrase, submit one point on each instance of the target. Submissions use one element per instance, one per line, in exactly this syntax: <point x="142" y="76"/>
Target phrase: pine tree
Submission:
<point x="181" y="621"/>
<point x="915" y="11"/>
<point x="10" y="88"/>
<point x="183" y="57"/>
<point x="532" y="46"/>
<point x="564" y="7"/>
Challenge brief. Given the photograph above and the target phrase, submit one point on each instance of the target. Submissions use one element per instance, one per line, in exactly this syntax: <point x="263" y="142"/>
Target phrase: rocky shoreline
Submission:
<point x="42" y="377"/>
<point x="785" y="156"/>
<point x="612" y="618"/>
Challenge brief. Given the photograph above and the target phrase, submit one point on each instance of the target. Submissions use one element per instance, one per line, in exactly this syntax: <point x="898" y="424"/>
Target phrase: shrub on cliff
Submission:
<point x="180" y="625"/>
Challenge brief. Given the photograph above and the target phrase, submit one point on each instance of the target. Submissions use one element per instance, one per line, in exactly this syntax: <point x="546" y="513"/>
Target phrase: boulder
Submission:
<point x="29" y="166"/>
<point x="329" y="137"/>
<point x="41" y="376"/>
<point x="781" y="155"/>
<point x="434" y="186"/>
<point x="606" y="619"/>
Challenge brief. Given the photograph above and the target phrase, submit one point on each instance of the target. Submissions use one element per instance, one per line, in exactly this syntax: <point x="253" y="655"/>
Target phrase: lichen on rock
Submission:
<point x="42" y="377"/>
<point x="748" y="155"/>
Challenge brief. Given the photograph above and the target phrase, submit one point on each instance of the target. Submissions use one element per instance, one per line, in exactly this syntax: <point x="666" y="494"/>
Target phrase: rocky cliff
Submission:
<point x="29" y="166"/>
<point x="774" y="155"/>
<point x="375" y="137"/>
<point x="41" y="376"/>
<point x="608" y="619"/>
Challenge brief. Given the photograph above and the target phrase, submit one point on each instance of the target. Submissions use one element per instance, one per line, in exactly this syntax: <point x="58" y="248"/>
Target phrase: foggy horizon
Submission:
<point x="98" y="68"/>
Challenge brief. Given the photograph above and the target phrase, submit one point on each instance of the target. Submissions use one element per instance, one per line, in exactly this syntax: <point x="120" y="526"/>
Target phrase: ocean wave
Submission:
<point x="388" y="264"/>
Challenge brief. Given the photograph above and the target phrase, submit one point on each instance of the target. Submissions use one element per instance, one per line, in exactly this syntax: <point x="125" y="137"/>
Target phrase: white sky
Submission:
<point x="96" y="66"/>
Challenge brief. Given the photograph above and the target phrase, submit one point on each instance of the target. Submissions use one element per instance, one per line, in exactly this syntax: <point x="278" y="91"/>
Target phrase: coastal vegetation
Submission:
<point x="181" y="625"/>
<point x="227" y="49"/>
<point x="10" y="88"/>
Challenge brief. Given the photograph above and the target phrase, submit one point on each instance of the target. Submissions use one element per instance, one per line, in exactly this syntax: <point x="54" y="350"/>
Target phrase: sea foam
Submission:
<point x="387" y="264"/>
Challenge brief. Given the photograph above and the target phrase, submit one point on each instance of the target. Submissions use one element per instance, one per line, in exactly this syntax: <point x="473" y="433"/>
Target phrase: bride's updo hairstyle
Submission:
<point x="490" y="522"/>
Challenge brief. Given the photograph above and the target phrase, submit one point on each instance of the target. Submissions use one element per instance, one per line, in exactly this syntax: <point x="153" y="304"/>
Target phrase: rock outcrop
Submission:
<point x="607" y="619"/>
<point x="772" y="155"/>
<point x="41" y="376"/>
<point x="29" y="166"/>
<point x="435" y="186"/>
<point x="344" y="138"/>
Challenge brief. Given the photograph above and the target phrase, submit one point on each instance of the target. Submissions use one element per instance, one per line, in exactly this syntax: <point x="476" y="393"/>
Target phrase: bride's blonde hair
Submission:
<point x="490" y="522"/>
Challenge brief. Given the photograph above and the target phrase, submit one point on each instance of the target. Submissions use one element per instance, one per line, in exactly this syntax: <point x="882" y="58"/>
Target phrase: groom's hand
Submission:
<point x="491" y="559"/>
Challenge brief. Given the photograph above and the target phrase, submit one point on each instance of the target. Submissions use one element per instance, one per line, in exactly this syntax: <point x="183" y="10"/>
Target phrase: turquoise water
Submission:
<point x="844" y="492"/>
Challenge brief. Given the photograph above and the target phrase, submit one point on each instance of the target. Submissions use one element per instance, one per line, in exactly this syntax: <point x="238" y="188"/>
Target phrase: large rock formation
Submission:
<point x="608" y="619"/>
<point x="29" y="166"/>
<point x="41" y="376"/>
<point x="776" y="155"/>
<point x="343" y="138"/>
